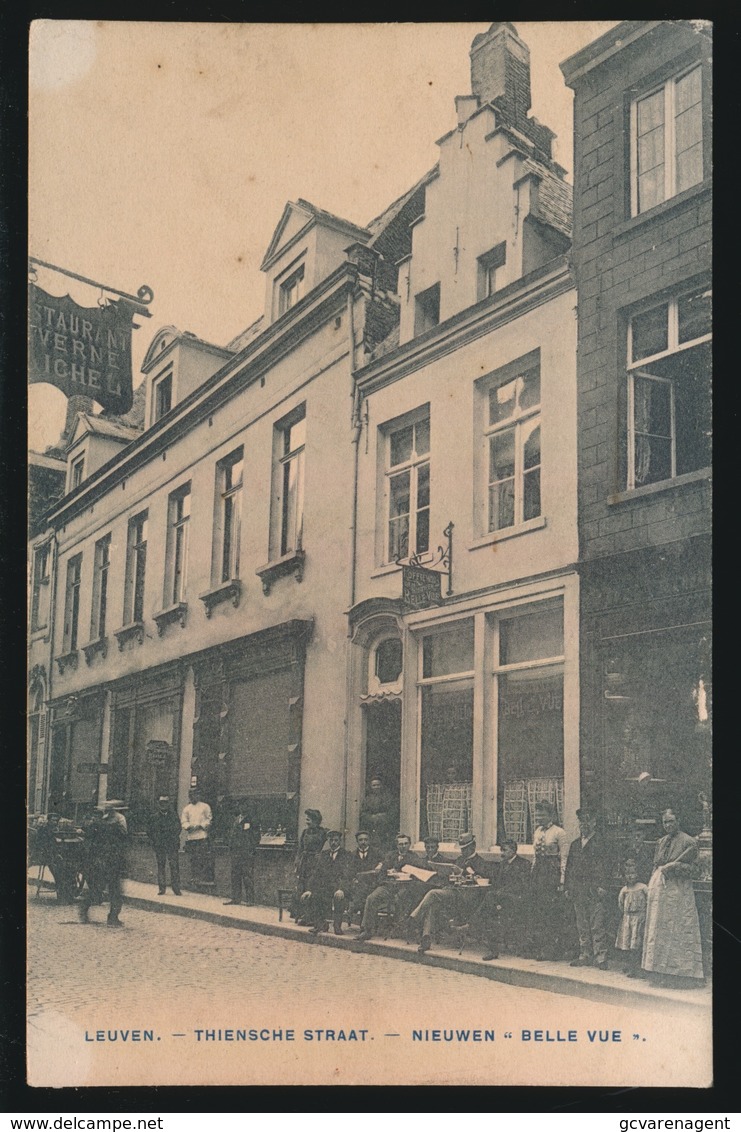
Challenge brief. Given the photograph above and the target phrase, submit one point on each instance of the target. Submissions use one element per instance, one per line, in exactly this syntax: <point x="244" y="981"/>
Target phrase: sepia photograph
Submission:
<point x="369" y="554"/>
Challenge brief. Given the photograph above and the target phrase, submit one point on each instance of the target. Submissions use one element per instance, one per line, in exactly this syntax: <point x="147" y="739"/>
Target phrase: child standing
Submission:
<point x="632" y="899"/>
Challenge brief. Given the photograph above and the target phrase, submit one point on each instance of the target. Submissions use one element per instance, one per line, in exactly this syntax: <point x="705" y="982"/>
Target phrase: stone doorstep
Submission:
<point x="557" y="977"/>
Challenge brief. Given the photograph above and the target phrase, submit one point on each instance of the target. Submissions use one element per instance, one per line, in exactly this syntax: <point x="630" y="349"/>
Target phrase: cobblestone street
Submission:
<point x="170" y="977"/>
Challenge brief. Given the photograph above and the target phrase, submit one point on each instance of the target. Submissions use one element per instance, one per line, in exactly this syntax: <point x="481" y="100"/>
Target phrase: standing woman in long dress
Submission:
<point x="671" y="943"/>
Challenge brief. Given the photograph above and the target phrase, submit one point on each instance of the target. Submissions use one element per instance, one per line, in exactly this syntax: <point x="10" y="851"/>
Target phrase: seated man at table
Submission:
<point x="503" y="916"/>
<point x="329" y="885"/>
<point x="451" y="903"/>
<point x="366" y="863"/>
<point x="383" y="896"/>
<point x="414" y="890"/>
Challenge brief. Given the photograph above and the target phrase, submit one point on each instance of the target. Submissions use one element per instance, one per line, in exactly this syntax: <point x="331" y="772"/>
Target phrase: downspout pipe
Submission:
<point x="356" y="426"/>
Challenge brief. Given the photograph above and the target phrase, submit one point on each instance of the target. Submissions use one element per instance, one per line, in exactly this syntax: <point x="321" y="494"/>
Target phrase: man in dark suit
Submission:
<point x="503" y="915"/>
<point x="443" y="904"/>
<point x="164" y="834"/>
<point x="586" y="884"/>
<point x="244" y="837"/>
<point x="366" y="860"/>
<point x="383" y="897"/>
<point x="413" y="890"/>
<point x="329" y="885"/>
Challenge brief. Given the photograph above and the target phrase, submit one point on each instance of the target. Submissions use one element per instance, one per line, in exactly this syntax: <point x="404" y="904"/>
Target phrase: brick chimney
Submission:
<point x="500" y="71"/>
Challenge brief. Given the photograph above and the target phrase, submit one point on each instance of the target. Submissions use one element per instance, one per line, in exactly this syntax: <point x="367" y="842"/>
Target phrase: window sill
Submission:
<point x="131" y="632"/>
<point x="92" y="648"/>
<point x="291" y="563"/>
<point x="389" y="568"/>
<point x="177" y="612"/>
<point x="661" y="210"/>
<point x="536" y="524"/>
<point x="40" y="633"/>
<point x="664" y="485"/>
<point x="68" y="660"/>
<point x="225" y="591"/>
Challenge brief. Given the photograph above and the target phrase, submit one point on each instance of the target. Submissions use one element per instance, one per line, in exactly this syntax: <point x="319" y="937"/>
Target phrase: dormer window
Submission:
<point x="77" y="472"/>
<point x="291" y="290"/>
<point x="161" y="395"/>
<point x="489" y="265"/>
<point x="427" y="309"/>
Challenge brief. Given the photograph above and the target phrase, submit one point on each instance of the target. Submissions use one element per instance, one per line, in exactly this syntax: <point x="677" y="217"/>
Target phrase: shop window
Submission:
<point x="530" y="740"/>
<point x="446" y="737"/>
<point x="40" y="587"/>
<point x="669" y="389"/>
<point x="667" y="140"/>
<point x="427" y="309"/>
<point x="101" y="566"/>
<point x="72" y="603"/>
<point x="512" y="456"/>
<point x="136" y="569"/>
<point x="177" y="545"/>
<point x="228" y="529"/>
<point x="407" y="473"/>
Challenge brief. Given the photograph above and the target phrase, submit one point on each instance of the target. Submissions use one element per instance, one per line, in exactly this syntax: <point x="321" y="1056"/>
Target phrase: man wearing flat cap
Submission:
<point x="586" y="885"/>
<point x="107" y="846"/>
<point x="443" y="904"/>
<point x="164" y="835"/>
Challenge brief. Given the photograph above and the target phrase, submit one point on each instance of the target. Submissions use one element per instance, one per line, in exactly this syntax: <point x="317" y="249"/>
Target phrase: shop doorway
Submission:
<point x="383" y="762"/>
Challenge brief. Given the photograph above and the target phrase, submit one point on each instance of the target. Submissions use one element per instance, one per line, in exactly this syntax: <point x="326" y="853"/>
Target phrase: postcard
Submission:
<point x="369" y="642"/>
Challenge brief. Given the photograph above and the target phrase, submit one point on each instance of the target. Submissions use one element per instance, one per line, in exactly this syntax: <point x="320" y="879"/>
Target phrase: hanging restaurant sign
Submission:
<point x="84" y="351"/>
<point x="420" y="588"/>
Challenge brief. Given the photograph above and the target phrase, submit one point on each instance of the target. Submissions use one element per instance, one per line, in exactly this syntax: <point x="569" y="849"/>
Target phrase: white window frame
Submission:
<point x="136" y="565"/>
<point x="76" y="471"/>
<point x="228" y="518"/>
<point x="517" y="422"/>
<point x="178" y="531"/>
<point x="488" y="265"/>
<point x="291" y="288"/>
<point x="99" y="606"/>
<point x="670" y="156"/>
<point x="413" y="465"/>
<point x="635" y="369"/>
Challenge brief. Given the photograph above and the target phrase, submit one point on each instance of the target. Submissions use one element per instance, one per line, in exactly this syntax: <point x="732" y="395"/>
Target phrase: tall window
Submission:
<point x="669" y="389"/>
<point x="177" y="545"/>
<point x="446" y="741"/>
<point x="136" y="568"/>
<point x="530" y="733"/>
<point x="408" y="488"/>
<point x="666" y="140"/>
<point x="292" y="438"/>
<point x="72" y="603"/>
<point x="291" y="290"/>
<point x="513" y="449"/>
<point x="40" y="588"/>
<point x="100" y="588"/>
<point x="229" y="474"/>
<point x="161" y="396"/>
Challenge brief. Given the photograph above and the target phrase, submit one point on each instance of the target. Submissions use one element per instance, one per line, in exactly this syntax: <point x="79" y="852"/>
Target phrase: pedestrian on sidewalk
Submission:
<point x="310" y="846"/>
<point x="244" y="837"/>
<point x="196" y="821"/>
<point x="164" y="834"/>
<point x="107" y="846"/>
<point x="586" y="885"/>
<point x="632" y="900"/>
<point x="550" y="853"/>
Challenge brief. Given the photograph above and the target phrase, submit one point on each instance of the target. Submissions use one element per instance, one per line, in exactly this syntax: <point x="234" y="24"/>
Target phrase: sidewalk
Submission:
<point x="560" y="978"/>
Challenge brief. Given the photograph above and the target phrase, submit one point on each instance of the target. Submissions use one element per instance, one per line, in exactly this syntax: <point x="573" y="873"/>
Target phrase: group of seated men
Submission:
<point x="421" y="893"/>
